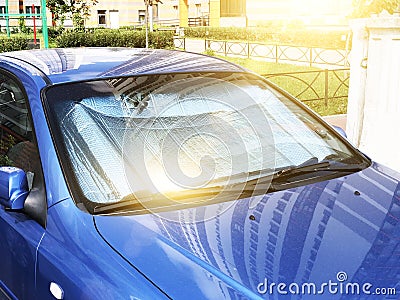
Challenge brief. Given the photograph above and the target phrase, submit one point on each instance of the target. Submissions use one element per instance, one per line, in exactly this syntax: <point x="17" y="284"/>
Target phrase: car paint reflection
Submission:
<point x="305" y="234"/>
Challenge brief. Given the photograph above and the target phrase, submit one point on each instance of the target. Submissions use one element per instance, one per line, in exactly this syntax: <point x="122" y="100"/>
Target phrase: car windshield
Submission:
<point x="135" y="137"/>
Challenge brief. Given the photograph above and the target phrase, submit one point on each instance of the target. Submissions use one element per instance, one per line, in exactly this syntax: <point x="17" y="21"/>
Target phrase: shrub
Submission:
<point x="53" y="32"/>
<point x="162" y="39"/>
<point x="209" y="52"/>
<point x="229" y="33"/>
<point x="314" y="38"/>
<point x="22" y="26"/>
<point x="13" y="44"/>
<point x="293" y="34"/>
<point x="115" y="38"/>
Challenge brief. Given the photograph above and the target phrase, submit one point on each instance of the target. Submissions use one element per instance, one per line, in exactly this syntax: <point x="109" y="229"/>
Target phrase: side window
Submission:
<point x="17" y="147"/>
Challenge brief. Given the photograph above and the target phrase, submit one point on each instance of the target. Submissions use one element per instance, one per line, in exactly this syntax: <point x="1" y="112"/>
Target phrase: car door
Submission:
<point x="20" y="234"/>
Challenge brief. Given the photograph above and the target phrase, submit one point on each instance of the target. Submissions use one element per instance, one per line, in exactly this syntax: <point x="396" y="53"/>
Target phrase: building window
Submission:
<point x="142" y="16"/>
<point x="28" y="10"/>
<point x="176" y="11"/>
<point x="101" y="16"/>
<point x="233" y="8"/>
<point x="198" y="10"/>
<point x="2" y="11"/>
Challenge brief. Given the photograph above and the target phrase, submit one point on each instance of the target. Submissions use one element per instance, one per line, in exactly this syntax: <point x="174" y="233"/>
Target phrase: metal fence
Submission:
<point x="308" y="86"/>
<point x="280" y="53"/>
<point x="311" y="56"/>
<point x="180" y="43"/>
<point x="326" y="89"/>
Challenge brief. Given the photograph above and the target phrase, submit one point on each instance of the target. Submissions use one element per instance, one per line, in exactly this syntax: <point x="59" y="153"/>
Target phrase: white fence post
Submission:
<point x="376" y="127"/>
<point x="358" y="76"/>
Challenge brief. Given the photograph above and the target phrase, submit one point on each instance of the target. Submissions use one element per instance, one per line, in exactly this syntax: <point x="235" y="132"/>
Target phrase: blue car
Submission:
<point x="157" y="174"/>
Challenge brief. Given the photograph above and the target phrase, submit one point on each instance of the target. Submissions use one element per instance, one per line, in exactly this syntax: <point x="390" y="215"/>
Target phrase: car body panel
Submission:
<point x="74" y="256"/>
<point x="19" y="239"/>
<point x="88" y="63"/>
<point x="310" y="233"/>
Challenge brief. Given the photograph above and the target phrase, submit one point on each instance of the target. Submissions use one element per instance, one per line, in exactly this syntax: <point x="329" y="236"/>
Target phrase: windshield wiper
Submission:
<point x="219" y="192"/>
<point x="262" y="182"/>
<point x="178" y="199"/>
<point x="293" y="171"/>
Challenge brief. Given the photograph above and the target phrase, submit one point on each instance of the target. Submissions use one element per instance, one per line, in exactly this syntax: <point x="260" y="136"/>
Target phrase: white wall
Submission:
<point x="374" y="95"/>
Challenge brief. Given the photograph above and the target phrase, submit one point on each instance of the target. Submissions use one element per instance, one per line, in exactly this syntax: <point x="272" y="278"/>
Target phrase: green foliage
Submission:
<point x="79" y="9"/>
<point x="22" y="26"/>
<point x="13" y="44"/>
<point x="276" y="34"/>
<point x="209" y="52"/>
<point x="5" y="145"/>
<point x="5" y="161"/>
<point x="161" y="39"/>
<point x="229" y="33"/>
<point x="78" y="21"/>
<point x="115" y="38"/>
<point x="132" y="27"/>
<point x="151" y="2"/>
<point x="314" y="38"/>
<point x="53" y="32"/>
<point x="364" y="8"/>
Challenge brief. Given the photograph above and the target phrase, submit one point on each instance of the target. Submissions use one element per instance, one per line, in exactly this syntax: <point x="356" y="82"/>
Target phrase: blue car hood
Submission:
<point x="343" y="231"/>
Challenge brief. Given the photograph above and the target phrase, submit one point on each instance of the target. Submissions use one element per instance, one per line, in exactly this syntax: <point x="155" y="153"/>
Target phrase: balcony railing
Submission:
<point x="199" y="21"/>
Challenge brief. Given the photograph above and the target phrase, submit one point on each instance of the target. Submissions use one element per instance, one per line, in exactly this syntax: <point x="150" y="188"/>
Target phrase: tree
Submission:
<point x="78" y="9"/>
<point x="364" y="8"/>
<point x="152" y="2"/>
<point x="149" y="3"/>
<point x="149" y="8"/>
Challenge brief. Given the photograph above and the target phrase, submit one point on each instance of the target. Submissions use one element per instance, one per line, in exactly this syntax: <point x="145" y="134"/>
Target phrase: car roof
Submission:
<point x="79" y="64"/>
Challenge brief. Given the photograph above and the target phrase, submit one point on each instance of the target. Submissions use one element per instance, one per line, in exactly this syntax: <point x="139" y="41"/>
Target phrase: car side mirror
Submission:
<point x="13" y="187"/>
<point x="340" y="130"/>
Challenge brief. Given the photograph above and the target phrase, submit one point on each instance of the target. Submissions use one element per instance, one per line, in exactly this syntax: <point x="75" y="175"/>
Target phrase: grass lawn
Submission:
<point x="298" y="84"/>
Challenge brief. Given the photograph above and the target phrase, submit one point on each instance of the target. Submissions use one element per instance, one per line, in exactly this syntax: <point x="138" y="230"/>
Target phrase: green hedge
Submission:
<point x="229" y="33"/>
<point x="274" y="34"/>
<point x="115" y="38"/>
<point x="13" y="44"/>
<point x="314" y="38"/>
